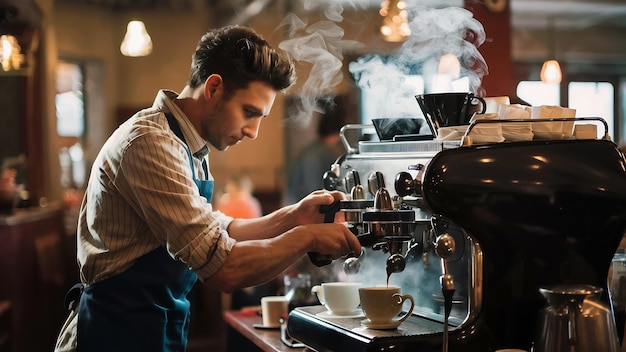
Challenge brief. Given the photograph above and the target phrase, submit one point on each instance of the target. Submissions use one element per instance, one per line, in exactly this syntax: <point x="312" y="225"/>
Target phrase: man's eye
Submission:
<point x="250" y="113"/>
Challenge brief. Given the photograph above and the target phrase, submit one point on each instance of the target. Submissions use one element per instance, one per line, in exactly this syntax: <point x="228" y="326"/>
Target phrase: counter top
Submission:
<point x="266" y="339"/>
<point x="30" y="214"/>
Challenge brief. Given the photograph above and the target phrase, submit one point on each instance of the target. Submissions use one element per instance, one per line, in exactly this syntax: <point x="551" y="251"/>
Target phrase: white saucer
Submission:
<point x="381" y="326"/>
<point x="326" y="314"/>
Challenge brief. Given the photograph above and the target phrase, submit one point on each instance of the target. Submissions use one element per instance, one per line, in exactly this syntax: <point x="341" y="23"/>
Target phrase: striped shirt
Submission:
<point x="141" y="195"/>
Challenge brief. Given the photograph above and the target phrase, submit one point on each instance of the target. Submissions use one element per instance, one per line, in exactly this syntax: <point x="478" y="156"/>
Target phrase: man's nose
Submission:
<point x="251" y="129"/>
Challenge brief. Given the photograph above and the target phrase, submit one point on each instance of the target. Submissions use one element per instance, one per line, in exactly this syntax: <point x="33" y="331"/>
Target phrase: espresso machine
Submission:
<point x="473" y="232"/>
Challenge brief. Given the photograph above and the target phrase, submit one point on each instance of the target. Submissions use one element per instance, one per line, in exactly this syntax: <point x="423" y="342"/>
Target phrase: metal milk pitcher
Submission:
<point x="575" y="320"/>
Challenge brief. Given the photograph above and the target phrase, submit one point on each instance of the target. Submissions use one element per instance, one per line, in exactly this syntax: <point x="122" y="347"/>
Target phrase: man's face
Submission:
<point x="237" y="116"/>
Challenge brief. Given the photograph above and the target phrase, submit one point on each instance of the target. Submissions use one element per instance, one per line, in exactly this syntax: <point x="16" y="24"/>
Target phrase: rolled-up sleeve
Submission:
<point x="210" y="254"/>
<point x="158" y="179"/>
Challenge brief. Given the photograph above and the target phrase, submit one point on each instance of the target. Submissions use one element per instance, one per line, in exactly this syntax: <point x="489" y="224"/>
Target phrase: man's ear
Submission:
<point x="212" y="84"/>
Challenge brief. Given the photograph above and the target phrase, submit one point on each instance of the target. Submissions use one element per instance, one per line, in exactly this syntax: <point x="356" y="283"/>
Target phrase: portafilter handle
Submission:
<point x="329" y="212"/>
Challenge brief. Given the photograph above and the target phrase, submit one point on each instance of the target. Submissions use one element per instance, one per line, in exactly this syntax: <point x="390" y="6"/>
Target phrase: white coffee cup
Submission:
<point x="272" y="309"/>
<point x="340" y="298"/>
<point x="381" y="304"/>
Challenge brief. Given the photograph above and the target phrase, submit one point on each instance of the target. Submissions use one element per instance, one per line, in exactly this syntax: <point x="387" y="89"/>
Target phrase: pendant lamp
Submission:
<point x="137" y="41"/>
<point x="395" y="27"/>
<point x="551" y="70"/>
<point x="11" y="57"/>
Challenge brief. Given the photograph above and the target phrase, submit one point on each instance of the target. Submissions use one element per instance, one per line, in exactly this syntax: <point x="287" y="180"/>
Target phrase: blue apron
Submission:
<point x="144" y="308"/>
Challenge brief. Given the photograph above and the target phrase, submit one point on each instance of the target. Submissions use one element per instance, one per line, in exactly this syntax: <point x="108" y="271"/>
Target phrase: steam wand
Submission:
<point x="444" y="247"/>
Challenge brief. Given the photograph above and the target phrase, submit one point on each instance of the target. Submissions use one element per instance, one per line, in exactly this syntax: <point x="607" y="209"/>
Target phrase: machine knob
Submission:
<point x="382" y="201"/>
<point x="382" y="198"/>
<point x="330" y="180"/>
<point x="375" y="182"/>
<point x="404" y="184"/>
<point x="445" y="246"/>
<point x="357" y="192"/>
<point x="351" y="266"/>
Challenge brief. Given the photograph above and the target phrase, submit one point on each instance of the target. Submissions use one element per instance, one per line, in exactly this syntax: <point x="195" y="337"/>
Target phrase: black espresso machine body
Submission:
<point x="524" y="215"/>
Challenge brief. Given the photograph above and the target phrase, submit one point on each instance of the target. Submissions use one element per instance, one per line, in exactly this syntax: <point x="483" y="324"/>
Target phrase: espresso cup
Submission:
<point x="272" y="309"/>
<point x="382" y="304"/>
<point x="340" y="298"/>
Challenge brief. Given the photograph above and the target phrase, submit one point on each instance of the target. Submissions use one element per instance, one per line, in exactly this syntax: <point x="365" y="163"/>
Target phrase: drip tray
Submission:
<point x="347" y="334"/>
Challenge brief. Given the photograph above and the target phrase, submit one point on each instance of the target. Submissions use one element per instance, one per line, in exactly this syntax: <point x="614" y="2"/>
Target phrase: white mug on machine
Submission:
<point x="340" y="298"/>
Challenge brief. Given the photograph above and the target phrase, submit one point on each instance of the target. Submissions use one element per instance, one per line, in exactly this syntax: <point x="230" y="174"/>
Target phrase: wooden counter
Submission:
<point x="25" y="215"/>
<point x="33" y="275"/>
<point x="267" y="340"/>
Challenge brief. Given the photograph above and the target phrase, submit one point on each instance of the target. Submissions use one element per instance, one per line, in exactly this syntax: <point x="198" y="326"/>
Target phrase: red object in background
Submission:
<point x="496" y="50"/>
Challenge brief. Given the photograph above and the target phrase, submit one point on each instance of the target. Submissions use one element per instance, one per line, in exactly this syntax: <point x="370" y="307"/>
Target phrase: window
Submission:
<point x="70" y="116"/>
<point x="70" y="106"/>
<point x="538" y="93"/>
<point x="593" y="99"/>
<point x="589" y="99"/>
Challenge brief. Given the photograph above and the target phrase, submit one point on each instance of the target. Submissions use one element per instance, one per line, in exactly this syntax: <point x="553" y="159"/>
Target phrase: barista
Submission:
<point x="147" y="230"/>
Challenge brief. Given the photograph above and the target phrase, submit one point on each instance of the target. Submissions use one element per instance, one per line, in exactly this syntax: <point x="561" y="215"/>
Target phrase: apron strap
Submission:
<point x="72" y="297"/>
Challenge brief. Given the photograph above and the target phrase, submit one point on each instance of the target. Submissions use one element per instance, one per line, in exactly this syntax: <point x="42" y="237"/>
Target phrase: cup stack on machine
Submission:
<point x="560" y="123"/>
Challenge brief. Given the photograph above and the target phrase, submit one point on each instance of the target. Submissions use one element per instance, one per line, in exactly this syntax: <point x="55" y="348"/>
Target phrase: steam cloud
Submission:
<point x="435" y="32"/>
<point x="320" y="45"/>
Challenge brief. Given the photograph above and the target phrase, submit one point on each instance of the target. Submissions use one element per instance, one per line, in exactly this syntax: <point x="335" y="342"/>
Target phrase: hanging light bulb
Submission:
<point x="11" y="57"/>
<point x="551" y="72"/>
<point x="449" y="65"/>
<point x="395" y="27"/>
<point x="137" y="41"/>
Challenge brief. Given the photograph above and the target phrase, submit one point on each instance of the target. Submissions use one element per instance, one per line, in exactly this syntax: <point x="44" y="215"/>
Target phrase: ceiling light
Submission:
<point x="551" y="70"/>
<point x="11" y="57"/>
<point x="449" y="65"/>
<point x="137" y="41"/>
<point x="395" y="27"/>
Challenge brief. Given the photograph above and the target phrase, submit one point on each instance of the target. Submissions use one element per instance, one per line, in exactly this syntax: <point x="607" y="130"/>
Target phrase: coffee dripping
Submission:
<point x="491" y="225"/>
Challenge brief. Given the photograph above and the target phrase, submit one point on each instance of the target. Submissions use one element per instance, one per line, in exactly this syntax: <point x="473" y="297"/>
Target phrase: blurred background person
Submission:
<point x="305" y="174"/>
<point x="238" y="200"/>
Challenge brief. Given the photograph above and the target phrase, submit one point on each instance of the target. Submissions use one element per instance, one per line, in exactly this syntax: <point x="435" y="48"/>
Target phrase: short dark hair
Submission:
<point x="240" y="56"/>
